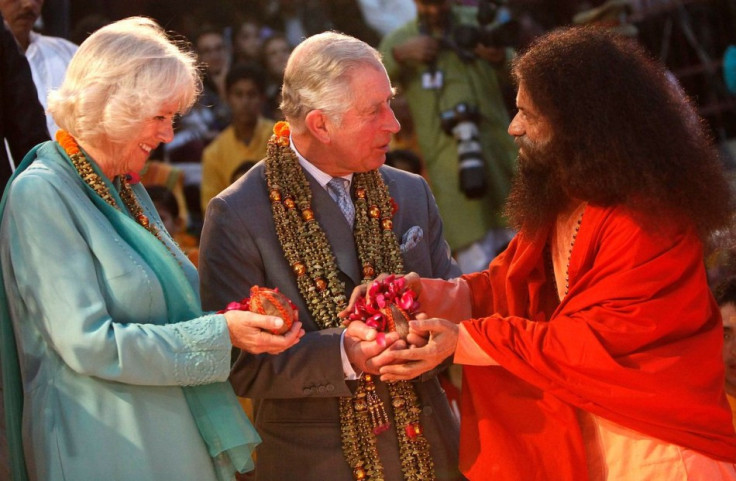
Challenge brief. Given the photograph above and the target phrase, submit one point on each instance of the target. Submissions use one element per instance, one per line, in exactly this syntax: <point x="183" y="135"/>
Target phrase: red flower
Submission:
<point x="394" y="207"/>
<point x="67" y="142"/>
<point x="383" y="294"/>
<point x="133" y="177"/>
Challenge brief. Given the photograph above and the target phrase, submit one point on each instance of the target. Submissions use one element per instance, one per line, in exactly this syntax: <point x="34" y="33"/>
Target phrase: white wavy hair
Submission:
<point x="317" y="76"/>
<point x="121" y="75"/>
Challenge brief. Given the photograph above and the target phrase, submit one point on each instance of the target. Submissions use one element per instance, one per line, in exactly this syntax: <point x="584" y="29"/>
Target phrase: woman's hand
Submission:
<point x="251" y="332"/>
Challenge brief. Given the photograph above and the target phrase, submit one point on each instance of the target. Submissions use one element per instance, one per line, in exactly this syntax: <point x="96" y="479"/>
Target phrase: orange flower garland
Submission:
<point x="67" y="142"/>
<point x="282" y="131"/>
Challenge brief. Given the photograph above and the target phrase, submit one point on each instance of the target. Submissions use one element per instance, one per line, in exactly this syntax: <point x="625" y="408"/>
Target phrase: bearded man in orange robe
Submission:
<point x="591" y="345"/>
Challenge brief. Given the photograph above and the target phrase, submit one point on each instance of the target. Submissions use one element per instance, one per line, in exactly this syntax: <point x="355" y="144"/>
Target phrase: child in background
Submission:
<point x="168" y="209"/>
<point x="247" y="136"/>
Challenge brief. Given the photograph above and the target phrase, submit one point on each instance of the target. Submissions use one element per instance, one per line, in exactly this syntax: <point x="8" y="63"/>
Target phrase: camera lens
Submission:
<point x="470" y="159"/>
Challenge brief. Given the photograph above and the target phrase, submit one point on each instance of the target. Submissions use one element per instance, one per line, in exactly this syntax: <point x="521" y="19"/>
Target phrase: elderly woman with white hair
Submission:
<point x="110" y="368"/>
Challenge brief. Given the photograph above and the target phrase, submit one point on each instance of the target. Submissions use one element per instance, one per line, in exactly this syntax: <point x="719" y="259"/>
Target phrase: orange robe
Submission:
<point x="636" y="341"/>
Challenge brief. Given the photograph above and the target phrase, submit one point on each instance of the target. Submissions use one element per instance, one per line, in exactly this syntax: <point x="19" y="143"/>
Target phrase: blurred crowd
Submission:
<point x="243" y="47"/>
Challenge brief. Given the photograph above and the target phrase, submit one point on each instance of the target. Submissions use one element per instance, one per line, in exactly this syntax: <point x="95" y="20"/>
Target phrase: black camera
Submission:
<point x="496" y="28"/>
<point x="462" y="123"/>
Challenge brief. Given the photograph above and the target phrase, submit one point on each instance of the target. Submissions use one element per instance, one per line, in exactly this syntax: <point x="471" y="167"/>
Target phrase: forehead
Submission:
<point x="370" y="85"/>
<point x="244" y="84"/>
<point x="248" y="29"/>
<point x="209" y="38"/>
<point x="523" y="100"/>
<point x="276" y="44"/>
<point x="170" y="107"/>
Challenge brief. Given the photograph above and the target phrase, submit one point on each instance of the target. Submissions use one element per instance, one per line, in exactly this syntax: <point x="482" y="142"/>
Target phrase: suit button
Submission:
<point x="307" y="391"/>
<point x="321" y="389"/>
<point x="427" y="410"/>
<point x="330" y="388"/>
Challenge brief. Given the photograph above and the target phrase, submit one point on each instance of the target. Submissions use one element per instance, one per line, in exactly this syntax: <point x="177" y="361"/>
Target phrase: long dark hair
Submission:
<point x="625" y="132"/>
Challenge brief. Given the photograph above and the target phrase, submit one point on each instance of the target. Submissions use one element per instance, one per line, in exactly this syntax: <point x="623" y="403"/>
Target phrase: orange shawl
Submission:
<point x="637" y="341"/>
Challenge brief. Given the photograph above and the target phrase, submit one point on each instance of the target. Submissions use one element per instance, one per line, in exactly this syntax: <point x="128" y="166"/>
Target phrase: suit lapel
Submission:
<point x="336" y="228"/>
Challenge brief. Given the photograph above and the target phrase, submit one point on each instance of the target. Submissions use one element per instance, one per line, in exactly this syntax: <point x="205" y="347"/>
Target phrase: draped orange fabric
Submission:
<point x="637" y="341"/>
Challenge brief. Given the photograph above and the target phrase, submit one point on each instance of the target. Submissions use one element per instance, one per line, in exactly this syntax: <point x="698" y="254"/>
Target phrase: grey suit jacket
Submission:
<point x="296" y="392"/>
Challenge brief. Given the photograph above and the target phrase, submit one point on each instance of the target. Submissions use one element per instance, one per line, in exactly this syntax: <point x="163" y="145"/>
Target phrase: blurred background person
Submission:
<point x="205" y="120"/>
<point x="406" y="138"/>
<point x="304" y="18"/>
<point x="22" y="121"/>
<point x="242" y="169"/>
<point x="247" y="136"/>
<point x="247" y="40"/>
<point x="405" y="160"/>
<point x="455" y="98"/>
<point x="725" y="294"/>
<point x="210" y="115"/>
<point x="167" y="208"/>
<point x="86" y="26"/>
<point x="275" y="53"/>
<point x="213" y="53"/>
<point x="48" y="56"/>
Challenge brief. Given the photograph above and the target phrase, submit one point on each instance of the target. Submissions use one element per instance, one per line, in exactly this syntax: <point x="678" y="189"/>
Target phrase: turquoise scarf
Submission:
<point x="229" y="436"/>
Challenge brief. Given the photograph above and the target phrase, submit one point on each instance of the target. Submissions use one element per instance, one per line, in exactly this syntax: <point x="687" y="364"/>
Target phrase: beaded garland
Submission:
<point x="572" y="245"/>
<point x="93" y="179"/>
<point x="313" y="263"/>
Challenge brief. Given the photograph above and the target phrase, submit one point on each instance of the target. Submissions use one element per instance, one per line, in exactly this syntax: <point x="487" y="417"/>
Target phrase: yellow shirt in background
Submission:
<point x="226" y="153"/>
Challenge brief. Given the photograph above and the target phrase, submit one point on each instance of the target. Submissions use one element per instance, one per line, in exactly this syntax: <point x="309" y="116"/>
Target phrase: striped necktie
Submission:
<point x="338" y="189"/>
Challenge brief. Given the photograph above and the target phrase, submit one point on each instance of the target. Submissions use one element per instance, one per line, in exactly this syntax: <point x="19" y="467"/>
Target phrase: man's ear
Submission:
<point x="316" y="122"/>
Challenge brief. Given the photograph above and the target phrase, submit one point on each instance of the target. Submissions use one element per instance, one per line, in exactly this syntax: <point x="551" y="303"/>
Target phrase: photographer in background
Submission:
<point x="448" y="62"/>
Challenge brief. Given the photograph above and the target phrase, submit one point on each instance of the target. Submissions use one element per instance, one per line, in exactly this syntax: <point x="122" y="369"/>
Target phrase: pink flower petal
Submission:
<point x="381" y="301"/>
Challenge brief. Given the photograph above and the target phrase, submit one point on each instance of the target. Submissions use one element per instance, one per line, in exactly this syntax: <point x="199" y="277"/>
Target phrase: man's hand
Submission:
<point x="367" y="349"/>
<point x="421" y="48"/>
<point x="418" y="337"/>
<point x="409" y="363"/>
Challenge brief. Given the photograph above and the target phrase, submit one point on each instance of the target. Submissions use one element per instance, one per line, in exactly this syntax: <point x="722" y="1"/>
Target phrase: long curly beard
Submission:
<point x="537" y="193"/>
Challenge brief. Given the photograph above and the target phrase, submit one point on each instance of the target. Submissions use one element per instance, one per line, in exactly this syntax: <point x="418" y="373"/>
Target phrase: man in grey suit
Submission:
<point x="318" y="216"/>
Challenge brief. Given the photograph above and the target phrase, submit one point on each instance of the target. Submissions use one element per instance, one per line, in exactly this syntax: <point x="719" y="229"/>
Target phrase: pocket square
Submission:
<point x="411" y="238"/>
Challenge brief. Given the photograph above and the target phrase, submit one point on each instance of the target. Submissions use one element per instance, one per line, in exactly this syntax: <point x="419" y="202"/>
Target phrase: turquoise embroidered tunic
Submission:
<point x="102" y="371"/>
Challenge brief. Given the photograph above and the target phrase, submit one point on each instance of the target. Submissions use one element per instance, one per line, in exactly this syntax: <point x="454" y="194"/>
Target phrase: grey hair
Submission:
<point x="121" y="75"/>
<point x="318" y="73"/>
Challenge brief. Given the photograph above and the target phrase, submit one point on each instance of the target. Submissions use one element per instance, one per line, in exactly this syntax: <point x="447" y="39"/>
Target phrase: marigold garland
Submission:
<point x="313" y="263"/>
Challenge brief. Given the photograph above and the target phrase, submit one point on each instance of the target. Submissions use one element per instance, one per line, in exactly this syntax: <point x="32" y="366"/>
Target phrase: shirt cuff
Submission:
<point x="347" y="368"/>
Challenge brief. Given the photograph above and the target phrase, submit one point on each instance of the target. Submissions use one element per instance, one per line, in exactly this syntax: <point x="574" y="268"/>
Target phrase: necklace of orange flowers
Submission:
<point x="93" y="179"/>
